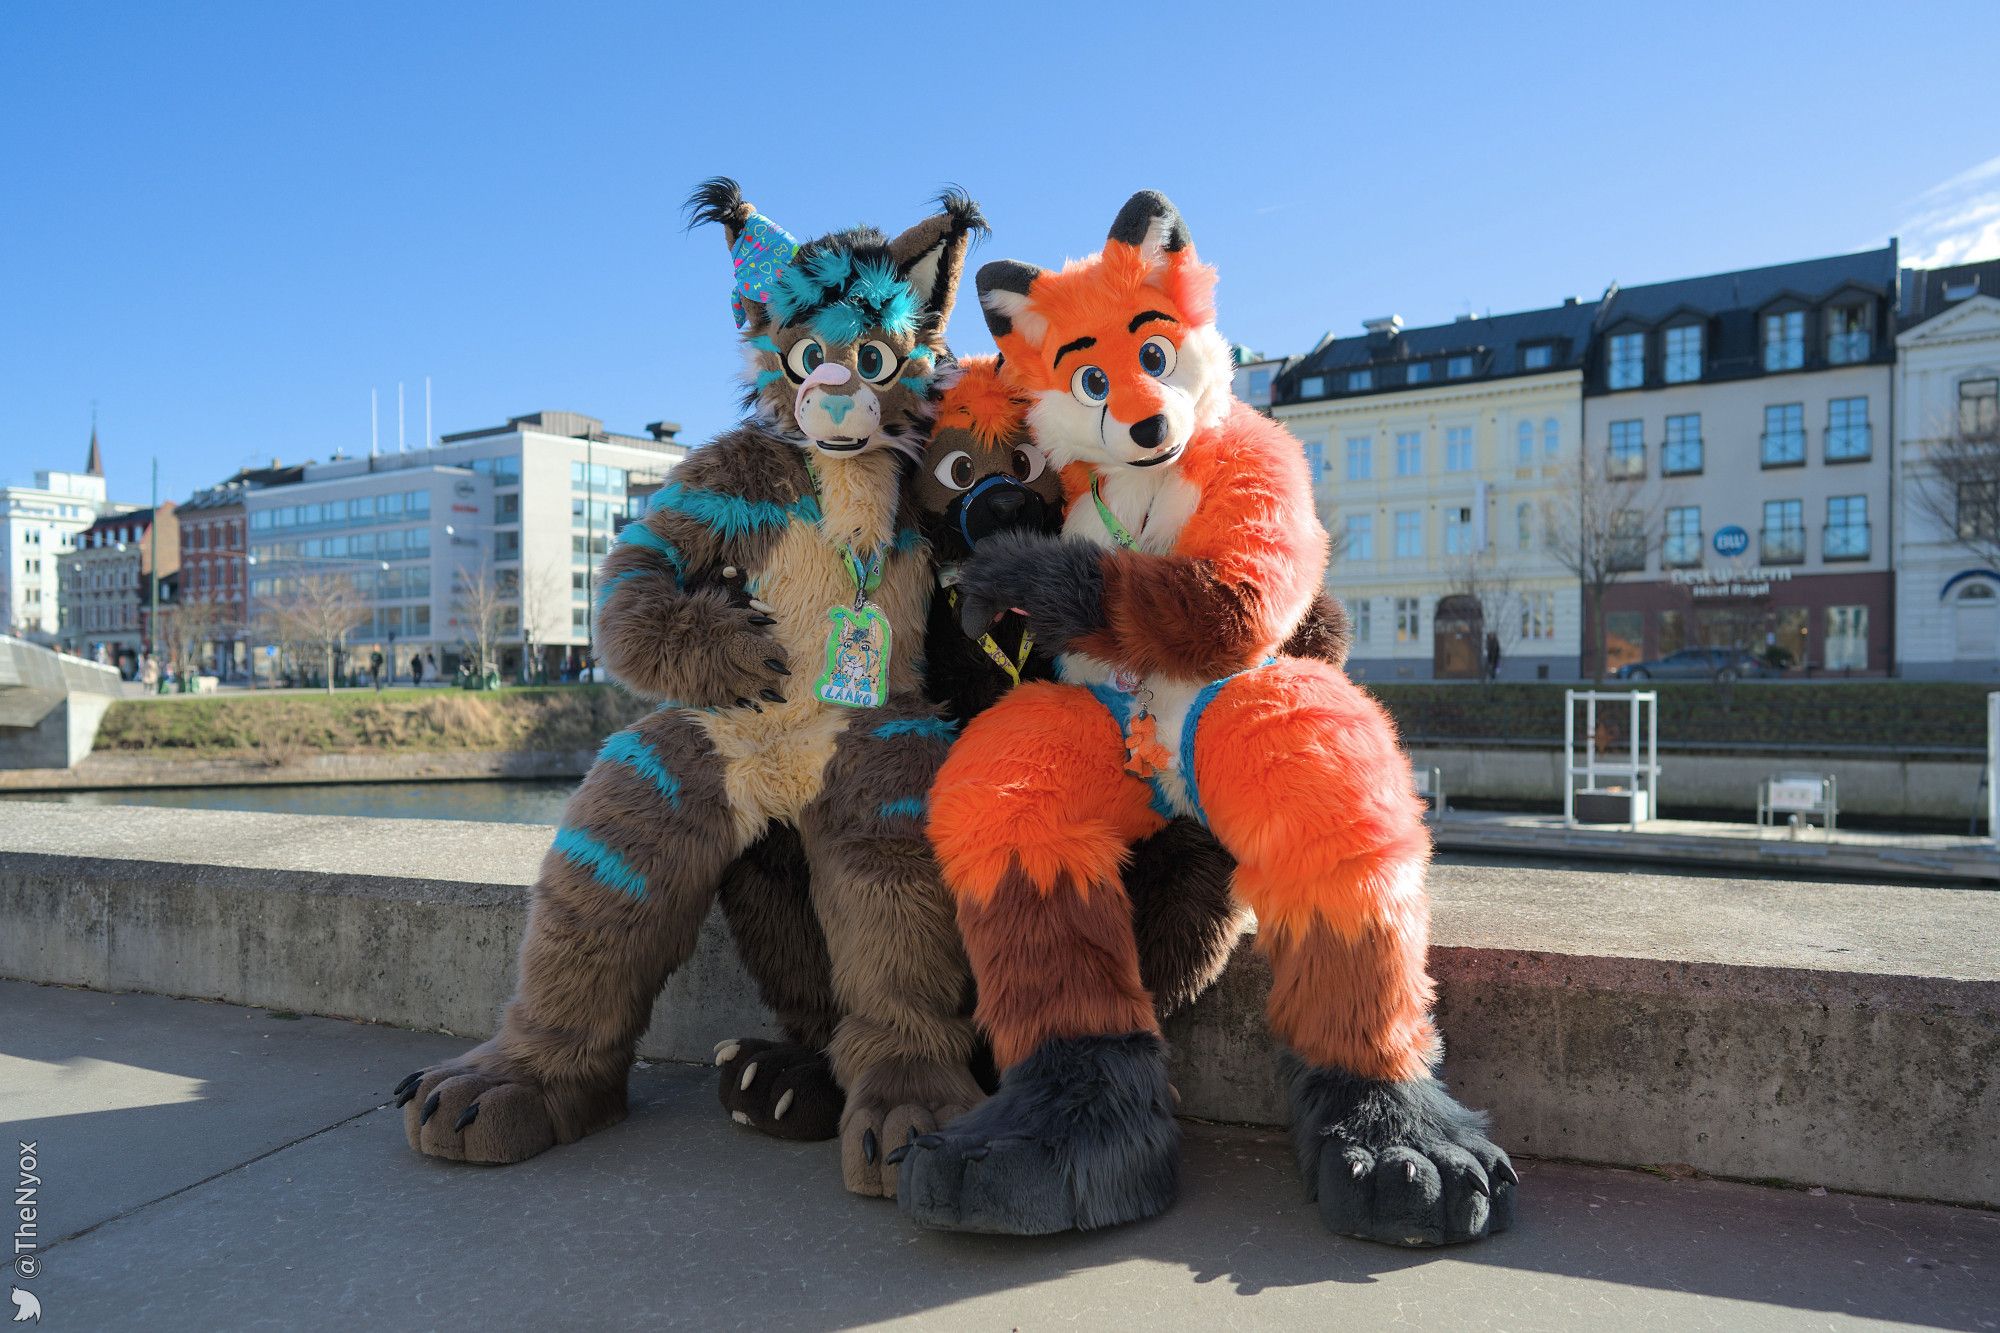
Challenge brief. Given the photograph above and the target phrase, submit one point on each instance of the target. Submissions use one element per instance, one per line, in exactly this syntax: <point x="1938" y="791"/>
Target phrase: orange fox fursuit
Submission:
<point x="1189" y="551"/>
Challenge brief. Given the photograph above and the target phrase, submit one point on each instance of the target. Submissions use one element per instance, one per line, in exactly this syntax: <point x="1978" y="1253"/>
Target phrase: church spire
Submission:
<point x="95" y="467"/>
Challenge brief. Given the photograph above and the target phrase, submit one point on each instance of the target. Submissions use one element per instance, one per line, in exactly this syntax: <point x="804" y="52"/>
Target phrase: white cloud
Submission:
<point x="1957" y="221"/>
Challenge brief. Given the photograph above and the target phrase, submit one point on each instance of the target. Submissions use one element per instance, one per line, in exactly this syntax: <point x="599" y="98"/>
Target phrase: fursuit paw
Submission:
<point x="483" y="1108"/>
<point x="1398" y="1163"/>
<point x="896" y="1103"/>
<point x="1080" y="1135"/>
<point x="1057" y="583"/>
<point x="783" y="1090"/>
<point x="750" y="662"/>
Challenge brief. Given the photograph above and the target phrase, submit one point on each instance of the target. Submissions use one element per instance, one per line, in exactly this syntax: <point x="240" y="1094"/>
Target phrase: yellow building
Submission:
<point x="1434" y="452"/>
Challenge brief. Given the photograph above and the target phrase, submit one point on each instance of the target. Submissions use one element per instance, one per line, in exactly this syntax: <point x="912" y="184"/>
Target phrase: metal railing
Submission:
<point x="1782" y="448"/>
<point x="1846" y="444"/>
<point x="1845" y="541"/>
<point x="1681" y="550"/>
<point x="1782" y="546"/>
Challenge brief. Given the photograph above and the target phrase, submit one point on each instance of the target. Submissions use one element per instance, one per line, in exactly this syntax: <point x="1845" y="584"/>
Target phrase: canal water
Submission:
<point x="535" y="802"/>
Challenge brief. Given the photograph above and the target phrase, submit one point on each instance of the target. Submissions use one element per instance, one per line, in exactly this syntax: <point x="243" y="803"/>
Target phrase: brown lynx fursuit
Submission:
<point x="718" y="606"/>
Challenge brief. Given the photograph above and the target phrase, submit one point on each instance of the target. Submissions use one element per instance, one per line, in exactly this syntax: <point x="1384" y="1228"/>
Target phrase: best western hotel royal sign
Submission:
<point x="1752" y="581"/>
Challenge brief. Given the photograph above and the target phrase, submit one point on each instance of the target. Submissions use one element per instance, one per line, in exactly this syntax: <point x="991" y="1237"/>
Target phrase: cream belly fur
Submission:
<point x="774" y="761"/>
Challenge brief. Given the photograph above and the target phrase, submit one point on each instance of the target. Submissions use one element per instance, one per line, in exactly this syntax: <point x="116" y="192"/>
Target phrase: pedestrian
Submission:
<point x="431" y="666"/>
<point x="1492" y="655"/>
<point x="416" y="668"/>
<point x="375" y="668"/>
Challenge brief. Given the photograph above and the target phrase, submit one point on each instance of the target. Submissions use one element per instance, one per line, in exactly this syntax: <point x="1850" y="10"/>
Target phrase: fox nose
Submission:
<point x="1147" y="434"/>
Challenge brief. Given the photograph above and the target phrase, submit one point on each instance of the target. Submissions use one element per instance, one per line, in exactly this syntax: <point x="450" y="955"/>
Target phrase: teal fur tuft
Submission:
<point x="729" y="516"/>
<point x="936" y="728"/>
<point x="922" y="353"/>
<point x="766" y="378"/>
<point x="908" y="540"/>
<point x="904" y="807"/>
<point x="842" y="322"/>
<point x="606" y="866"/>
<point x="899" y="313"/>
<point x="764" y="343"/>
<point x="625" y="747"/>
<point x="638" y="534"/>
<point x="875" y="283"/>
<point x="915" y="384"/>
<point x="830" y="268"/>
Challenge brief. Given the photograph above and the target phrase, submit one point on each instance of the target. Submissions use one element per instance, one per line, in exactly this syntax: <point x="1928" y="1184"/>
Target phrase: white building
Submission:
<point x="38" y="526"/>
<point x="1947" y="387"/>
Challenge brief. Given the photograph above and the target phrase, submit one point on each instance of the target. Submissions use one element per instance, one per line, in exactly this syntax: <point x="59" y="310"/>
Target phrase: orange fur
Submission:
<point x="981" y="403"/>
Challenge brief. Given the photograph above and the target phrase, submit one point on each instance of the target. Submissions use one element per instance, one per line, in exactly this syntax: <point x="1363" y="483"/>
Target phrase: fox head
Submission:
<point x="1119" y="352"/>
<point x="981" y="472"/>
<point x="844" y="333"/>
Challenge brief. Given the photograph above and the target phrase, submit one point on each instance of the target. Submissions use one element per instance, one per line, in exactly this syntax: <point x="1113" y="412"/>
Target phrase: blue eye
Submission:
<point x="1090" y="384"/>
<point x="876" y="362"/>
<point x="1156" y="356"/>
<point x="870" y="363"/>
<point x="804" y="358"/>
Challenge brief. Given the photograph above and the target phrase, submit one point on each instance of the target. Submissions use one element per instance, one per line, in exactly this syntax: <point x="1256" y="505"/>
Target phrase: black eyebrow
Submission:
<point x="1145" y="315"/>
<point x="1069" y="347"/>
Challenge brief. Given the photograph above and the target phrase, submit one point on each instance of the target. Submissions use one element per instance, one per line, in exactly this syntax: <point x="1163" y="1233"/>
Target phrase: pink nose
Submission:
<point x="827" y="372"/>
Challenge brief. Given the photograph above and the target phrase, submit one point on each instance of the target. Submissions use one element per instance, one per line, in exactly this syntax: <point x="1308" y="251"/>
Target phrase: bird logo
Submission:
<point x="27" y="1306"/>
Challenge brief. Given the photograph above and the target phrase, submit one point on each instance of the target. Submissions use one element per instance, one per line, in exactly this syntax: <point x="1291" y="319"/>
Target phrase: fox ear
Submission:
<point x="1150" y="224"/>
<point x="1010" y="311"/>
<point x="931" y="255"/>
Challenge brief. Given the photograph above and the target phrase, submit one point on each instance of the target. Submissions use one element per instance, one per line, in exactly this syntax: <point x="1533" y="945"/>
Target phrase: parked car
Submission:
<point x="1696" y="664"/>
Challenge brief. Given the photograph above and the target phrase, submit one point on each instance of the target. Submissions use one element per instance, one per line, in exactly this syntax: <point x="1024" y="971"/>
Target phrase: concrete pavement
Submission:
<point x="207" y="1166"/>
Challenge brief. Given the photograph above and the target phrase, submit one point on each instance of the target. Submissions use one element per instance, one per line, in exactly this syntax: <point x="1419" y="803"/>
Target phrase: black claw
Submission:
<point x="763" y="620"/>
<point x="1479" y="1183"/>
<point x="403" y="1099"/>
<point x="430" y="1108"/>
<point x="1506" y="1168"/>
<point x="869" y="1146"/>
<point x="912" y="1138"/>
<point x="771" y="694"/>
<point x="896" y="1155"/>
<point x="777" y="666"/>
<point x="409" y="1083"/>
<point x="978" y="1153"/>
<point x="930" y="1140"/>
<point x="467" y="1116"/>
<point x="745" y="703"/>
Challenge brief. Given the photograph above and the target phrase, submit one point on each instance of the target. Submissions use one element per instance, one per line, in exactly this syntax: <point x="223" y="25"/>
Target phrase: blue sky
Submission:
<point x="226" y="223"/>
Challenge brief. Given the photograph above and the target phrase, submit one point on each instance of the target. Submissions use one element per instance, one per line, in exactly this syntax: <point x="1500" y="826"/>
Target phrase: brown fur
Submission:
<point x="1361" y="1004"/>
<point x="1185" y="919"/>
<point x="1171" y="614"/>
<point x="767" y="902"/>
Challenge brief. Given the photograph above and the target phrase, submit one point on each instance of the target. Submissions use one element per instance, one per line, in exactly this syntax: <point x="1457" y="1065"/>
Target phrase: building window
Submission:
<point x="1524" y="526"/>
<point x="1682" y="545"/>
<point x="1458" y="531"/>
<point x="1312" y="386"/>
<point x="1316" y="459"/>
<point x="1846" y="527"/>
<point x="1784" y="535"/>
<point x="1458" y="367"/>
<point x="1458" y="449"/>
<point x="1540" y="356"/>
<point x="1360" y="379"/>
<point x="1847" y="638"/>
<point x="1418" y="373"/>
<point x="1409" y="454"/>
<point x="1847" y="434"/>
<point x="1784" y="435"/>
<point x="1849" y="334"/>
<point x="1978" y="510"/>
<point x="1627" y="457"/>
<point x="1683" y="354"/>
<point x="1409" y="534"/>
<point x="1360" y="614"/>
<point x="1626" y="366"/>
<point x="1524" y="444"/>
<point x="1785" y="340"/>
<point x="1409" y="620"/>
<point x="1551" y="437"/>
<point x="1538" y="615"/>
<point x="1979" y="407"/>
<point x="1260" y="385"/>
<point x="1680" y="455"/>
<point x="1360" y="457"/>
<point x="1361" y="537"/>
<point x="1628" y="540"/>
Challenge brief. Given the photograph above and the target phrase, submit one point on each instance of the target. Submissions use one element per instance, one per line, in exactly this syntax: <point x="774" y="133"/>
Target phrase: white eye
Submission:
<point x="954" y="470"/>
<point x="876" y="362"/>
<point x="1157" y="356"/>
<point x="803" y="357"/>
<point x="1091" y="385"/>
<point x="1028" y="462"/>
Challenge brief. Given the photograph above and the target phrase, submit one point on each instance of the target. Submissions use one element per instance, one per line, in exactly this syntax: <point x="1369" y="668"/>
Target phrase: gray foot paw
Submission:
<point x="783" y="1090"/>
<point x="1080" y="1135"/>
<point x="1398" y="1163"/>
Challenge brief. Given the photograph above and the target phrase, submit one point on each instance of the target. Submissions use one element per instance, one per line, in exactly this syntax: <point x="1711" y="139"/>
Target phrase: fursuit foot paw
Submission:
<point x="896" y="1103"/>
<point x="780" y="1089"/>
<point x="484" y="1108"/>
<point x="1398" y="1163"/>
<point x="1080" y="1135"/>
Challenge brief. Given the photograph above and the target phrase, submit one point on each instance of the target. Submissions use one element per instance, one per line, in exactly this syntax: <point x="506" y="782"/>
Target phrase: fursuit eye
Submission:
<point x="1090" y="384"/>
<point x="1156" y="356"/>
<point x="1028" y="462"/>
<point x="804" y="357"/>
<point x="954" y="470"/>
<point x="876" y="361"/>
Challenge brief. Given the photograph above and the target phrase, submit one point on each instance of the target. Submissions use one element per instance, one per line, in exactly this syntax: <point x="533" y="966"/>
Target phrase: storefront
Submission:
<point x="1806" y="623"/>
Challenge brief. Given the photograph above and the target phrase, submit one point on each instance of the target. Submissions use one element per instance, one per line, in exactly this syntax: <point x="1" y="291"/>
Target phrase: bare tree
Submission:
<point x="544" y="597"/>
<point x="1599" y="527"/>
<point x="314" y="613"/>
<point x="480" y="609"/>
<point x="1959" y="486"/>
<point x="1479" y="576"/>
<point x="190" y="627"/>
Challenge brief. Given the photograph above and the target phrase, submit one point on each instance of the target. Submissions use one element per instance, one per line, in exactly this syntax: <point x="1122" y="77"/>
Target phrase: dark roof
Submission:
<point x="1932" y="291"/>
<point x="1496" y="342"/>
<point x="141" y="517"/>
<point x="1752" y="288"/>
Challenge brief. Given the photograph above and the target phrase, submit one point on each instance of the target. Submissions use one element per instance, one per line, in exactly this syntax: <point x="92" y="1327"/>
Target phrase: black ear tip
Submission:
<point x="1006" y="275"/>
<point x="717" y="199"/>
<point x="963" y="210"/>
<point x="1137" y="217"/>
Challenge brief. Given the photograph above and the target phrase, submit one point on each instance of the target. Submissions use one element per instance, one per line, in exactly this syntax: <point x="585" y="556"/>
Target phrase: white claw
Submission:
<point x="729" y="571"/>
<point x="726" y="1051"/>
<point x="784" y="1105"/>
<point x="1359" y="1169"/>
<point x="750" y="1072"/>
<point x="1409" y="1170"/>
<point x="739" y="1117"/>
<point x="756" y="605"/>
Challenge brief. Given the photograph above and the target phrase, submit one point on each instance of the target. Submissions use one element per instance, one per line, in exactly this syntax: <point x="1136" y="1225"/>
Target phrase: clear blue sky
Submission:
<point x="225" y="223"/>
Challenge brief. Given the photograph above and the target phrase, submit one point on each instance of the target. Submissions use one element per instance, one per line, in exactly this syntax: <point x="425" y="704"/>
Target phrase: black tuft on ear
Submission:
<point x="1003" y="295"/>
<point x="1150" y="222"/>
<point x="959" y="206"/>
<point x="719" y="199"/>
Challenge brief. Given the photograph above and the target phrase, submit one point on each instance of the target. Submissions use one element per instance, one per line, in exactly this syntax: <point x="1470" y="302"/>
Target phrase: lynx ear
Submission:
<point x="1003" y="294"/>
<point x="930" y="256"/>
<point x="760" y="251"/>
<point x="1151" y="224"/>
<point x="720" y="199"/>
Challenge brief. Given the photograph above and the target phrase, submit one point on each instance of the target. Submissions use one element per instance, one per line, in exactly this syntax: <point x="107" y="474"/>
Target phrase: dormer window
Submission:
<point x="1419" y="373"/>
<point x="1683" y="355"/>
<point x="1313" y="386"/>
<point x="1785" y="340"/>
<point x="1849" y="334"/>
<point x="1360" y="379"/>
<point x="1537" y="356"/>
<point x="1458" y="367"/>
<point x="1625" y="367"/>
<point x="1961" y="289"/>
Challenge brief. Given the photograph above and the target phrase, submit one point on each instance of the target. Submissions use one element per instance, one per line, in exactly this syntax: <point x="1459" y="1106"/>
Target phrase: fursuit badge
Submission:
<point x="857" y="658"/>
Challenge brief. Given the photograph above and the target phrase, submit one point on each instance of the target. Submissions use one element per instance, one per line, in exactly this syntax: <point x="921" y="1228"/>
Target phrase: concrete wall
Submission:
<point x="1829" y="1034"/>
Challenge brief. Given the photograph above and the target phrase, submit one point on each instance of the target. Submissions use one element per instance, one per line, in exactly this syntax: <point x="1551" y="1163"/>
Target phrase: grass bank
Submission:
<point x="280" y="726"/>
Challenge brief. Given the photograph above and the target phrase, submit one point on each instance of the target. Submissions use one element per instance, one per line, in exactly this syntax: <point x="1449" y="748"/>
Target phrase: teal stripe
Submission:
<point x="625" y="747"/>
<point x="907" y="807"/>
<point x="605" y="587"/>
<point x="915" y="384"/>
<point x="908" y="540"/>
<point x="729" y="516"/>
<point x="763" y="343"/>
<point x="806" y="508"/>
<point x="638" y="534"/>
<point x="605" y="865"/>
<point x="766" y="378"/>
<point x="936" y="728"/>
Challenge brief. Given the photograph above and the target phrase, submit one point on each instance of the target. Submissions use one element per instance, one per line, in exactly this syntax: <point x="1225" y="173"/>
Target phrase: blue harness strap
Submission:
<point x="1119" y="705"/>
<point x="1192" y="726"/>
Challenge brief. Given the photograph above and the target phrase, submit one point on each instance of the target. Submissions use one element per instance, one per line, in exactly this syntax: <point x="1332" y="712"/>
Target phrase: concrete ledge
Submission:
<point x="108" y="771"/>
<point x="1842" y="1035"/>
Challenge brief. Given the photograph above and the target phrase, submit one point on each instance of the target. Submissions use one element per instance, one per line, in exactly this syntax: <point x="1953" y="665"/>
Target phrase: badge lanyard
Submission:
<point x="858" y="640"/>
<point x="1013" y="666"/>
<point x="1112" y="523"/>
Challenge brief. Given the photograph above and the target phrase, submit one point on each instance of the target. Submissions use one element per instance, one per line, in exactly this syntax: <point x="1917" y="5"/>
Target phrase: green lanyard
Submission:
<point x="1119" y="532"/>
<point x="867" y="575"/>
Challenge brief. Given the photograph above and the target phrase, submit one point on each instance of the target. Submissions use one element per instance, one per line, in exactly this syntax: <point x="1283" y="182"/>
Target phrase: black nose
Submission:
<point x="1004" y="504"/>
<point x="1147" y="434"/>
